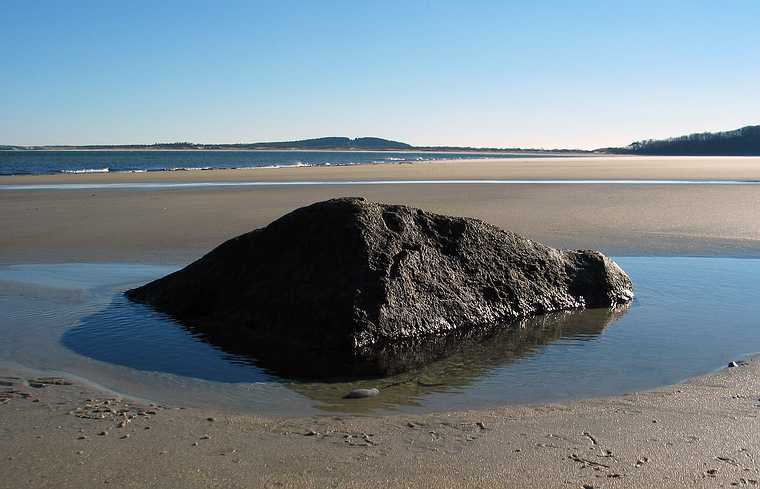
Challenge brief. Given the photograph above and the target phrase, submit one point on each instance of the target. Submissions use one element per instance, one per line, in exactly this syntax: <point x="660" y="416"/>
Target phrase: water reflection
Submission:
<point x="136" y="336"/>
<point x="692" y="316"/>
<point x="467" y="360"/>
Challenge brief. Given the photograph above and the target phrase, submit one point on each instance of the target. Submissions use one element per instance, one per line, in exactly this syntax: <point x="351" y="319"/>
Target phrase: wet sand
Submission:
<point x="175" y="226"/>
<point x="699" y="434"/>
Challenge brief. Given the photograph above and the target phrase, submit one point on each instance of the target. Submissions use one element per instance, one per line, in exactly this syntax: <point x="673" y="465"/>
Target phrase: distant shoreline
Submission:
<point x="39" y="162"/>
<point x="591" y="167"/>
<point x="306" y="150"/>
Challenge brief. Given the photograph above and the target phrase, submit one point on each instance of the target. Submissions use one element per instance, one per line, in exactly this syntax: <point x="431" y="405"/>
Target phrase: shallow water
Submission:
<point x="691" y="316"/>
<point x="48" y="162"/>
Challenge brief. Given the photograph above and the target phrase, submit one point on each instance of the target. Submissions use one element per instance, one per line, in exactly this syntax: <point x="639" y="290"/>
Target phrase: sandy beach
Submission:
<point x="697" y="434"/>
<point x="563" y="168"/>
<point x="176" y="225"/>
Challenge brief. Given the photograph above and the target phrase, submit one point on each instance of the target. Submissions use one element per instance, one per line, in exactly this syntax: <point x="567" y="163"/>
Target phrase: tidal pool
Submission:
<point x="691" y="316"/>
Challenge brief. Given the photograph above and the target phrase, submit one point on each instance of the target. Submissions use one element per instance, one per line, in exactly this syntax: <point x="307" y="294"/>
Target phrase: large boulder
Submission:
<point x="335" y="285"/>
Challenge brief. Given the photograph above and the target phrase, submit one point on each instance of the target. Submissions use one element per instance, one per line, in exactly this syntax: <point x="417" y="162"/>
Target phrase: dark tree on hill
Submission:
<point x="741" y="142"/>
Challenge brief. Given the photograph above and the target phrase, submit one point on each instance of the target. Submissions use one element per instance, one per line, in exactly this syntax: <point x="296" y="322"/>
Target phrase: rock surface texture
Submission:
<point x="345" y="279"/>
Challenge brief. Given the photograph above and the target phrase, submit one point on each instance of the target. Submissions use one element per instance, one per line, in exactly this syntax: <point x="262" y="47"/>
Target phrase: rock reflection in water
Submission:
<point x="467" y="360"/>
<point x="135" y="336"/>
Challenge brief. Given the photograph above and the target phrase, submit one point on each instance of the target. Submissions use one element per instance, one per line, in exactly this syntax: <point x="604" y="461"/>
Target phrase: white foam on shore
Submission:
<point x="87" y="170"/>
<point x="190" y="185"/>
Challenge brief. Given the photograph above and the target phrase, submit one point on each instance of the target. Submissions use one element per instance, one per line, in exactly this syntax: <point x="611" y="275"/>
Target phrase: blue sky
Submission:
<point x="558" y="74"/>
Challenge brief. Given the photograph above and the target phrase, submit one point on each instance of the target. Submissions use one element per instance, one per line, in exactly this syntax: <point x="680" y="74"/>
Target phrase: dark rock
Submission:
<point x="338" y="288"/>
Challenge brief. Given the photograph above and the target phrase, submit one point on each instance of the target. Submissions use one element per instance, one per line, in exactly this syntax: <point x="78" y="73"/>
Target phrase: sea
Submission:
<point x="52" y="162"/>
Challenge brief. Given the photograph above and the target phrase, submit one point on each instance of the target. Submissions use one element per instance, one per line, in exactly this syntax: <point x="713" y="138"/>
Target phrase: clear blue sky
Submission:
<point x="559" y="74"/>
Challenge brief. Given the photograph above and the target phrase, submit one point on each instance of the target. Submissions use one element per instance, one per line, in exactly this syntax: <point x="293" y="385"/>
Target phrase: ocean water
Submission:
<point x="51" y="162"/>
<point x="691" y="316"/>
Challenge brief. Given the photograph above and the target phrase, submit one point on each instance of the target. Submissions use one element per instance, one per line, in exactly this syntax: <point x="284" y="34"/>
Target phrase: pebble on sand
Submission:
<point x="362" y="393"/>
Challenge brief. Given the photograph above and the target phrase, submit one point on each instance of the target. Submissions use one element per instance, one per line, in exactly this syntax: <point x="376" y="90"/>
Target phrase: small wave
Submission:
<point x="189" y="168"/>
<point x="87" y="170"/>
<point x="297" y="164"/>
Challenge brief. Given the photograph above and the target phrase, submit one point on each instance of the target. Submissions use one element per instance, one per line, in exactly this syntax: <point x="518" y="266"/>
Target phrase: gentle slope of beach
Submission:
<point x="699" y="434"/>
<point x="176" y="225"/>
<point x="696" y="434"/>
<point x="581" y="168"/>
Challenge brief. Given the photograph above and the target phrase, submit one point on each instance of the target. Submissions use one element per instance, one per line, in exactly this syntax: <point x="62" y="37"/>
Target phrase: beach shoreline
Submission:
<point x="698" y="433"/>
<point x="620" y="167"/>
<point x="175" y="225"/>
<point x="695" y="434"/>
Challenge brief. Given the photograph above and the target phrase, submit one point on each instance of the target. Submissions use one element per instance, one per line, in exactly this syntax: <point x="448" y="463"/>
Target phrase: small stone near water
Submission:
<point x="362" y="393"/>
<point x="732" y="364"/>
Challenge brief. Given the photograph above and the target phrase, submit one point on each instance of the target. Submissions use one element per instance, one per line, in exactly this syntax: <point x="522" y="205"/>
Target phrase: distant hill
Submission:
<point x="740" y="142"/>
<point x="329" y="143"/>
<point x="335" y="143"/>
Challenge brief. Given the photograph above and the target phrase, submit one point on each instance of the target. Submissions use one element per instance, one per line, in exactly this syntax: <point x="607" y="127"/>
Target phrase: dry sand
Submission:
<point x="700" y="434"/>
<point x="176" y="225"/>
